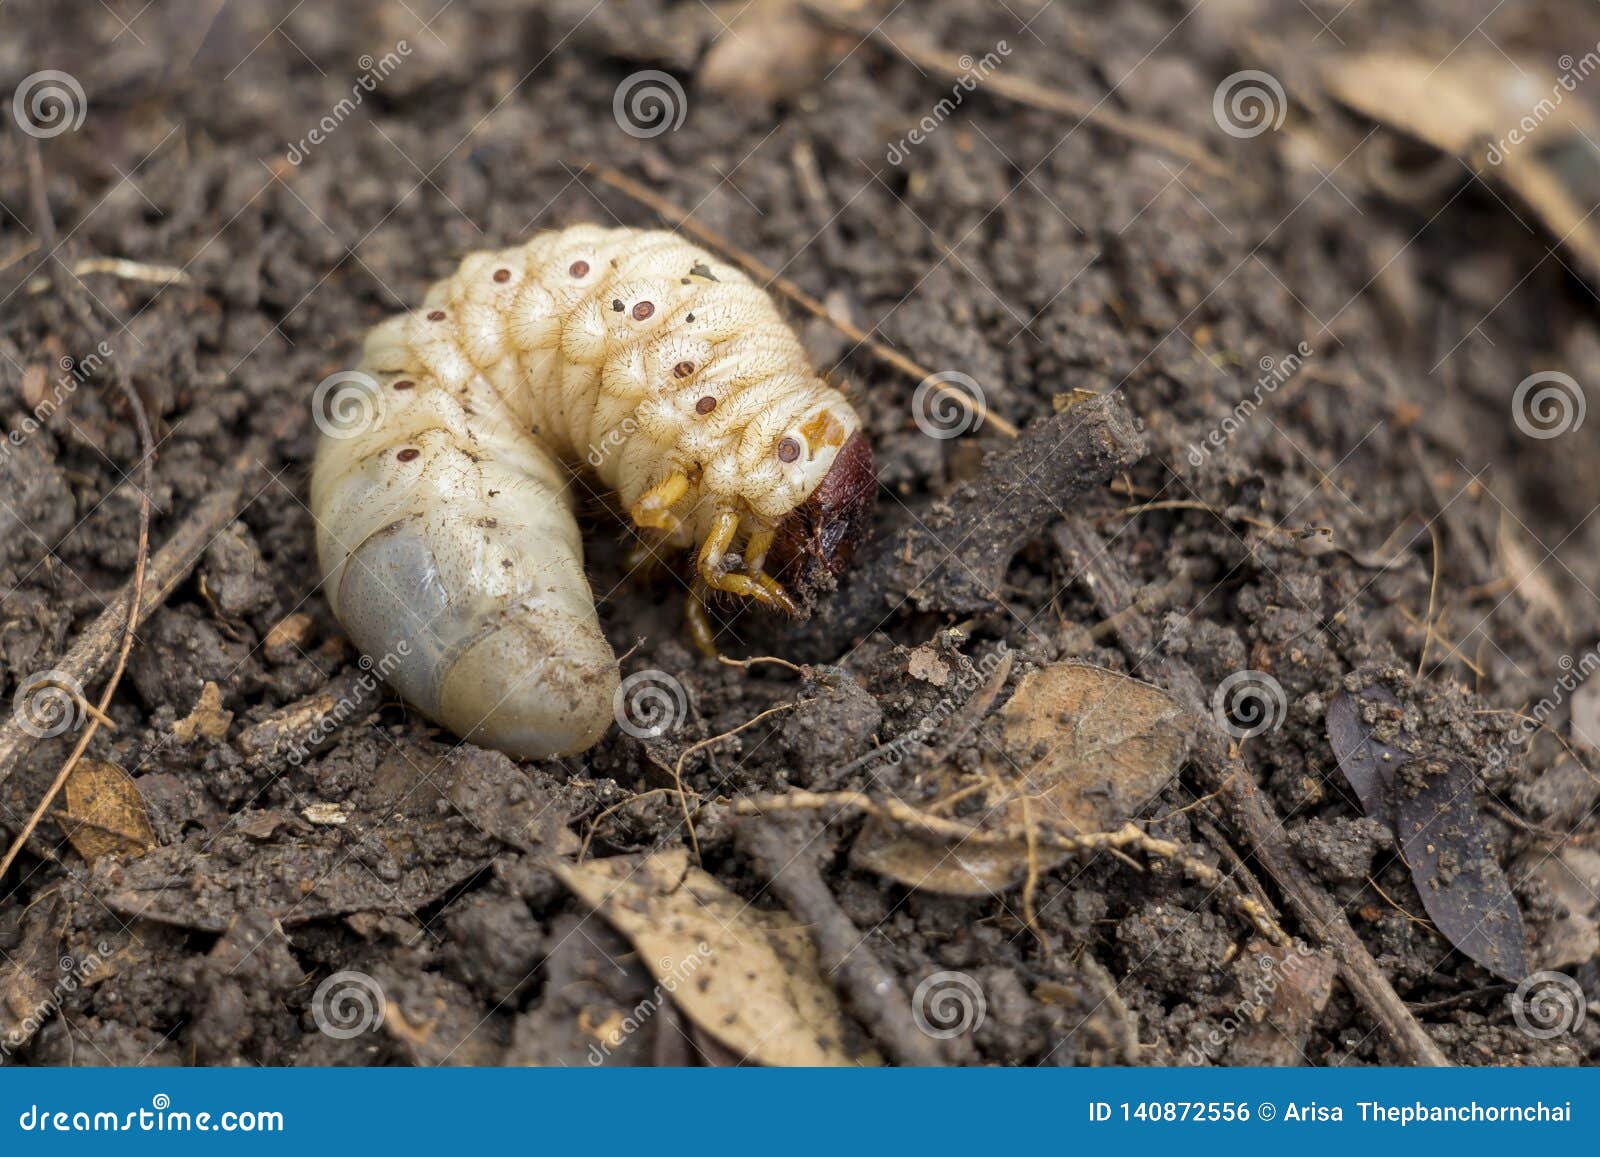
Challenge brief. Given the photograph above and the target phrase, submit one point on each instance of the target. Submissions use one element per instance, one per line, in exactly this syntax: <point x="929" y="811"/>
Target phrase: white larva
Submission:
<point x="446" y="529"/>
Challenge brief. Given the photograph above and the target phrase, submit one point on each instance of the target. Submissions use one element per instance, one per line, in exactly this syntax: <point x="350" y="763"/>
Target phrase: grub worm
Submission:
<point x="444" y="484"/>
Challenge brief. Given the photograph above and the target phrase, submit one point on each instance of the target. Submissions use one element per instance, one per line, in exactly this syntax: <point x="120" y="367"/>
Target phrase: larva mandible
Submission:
<point x="446" y="525"/>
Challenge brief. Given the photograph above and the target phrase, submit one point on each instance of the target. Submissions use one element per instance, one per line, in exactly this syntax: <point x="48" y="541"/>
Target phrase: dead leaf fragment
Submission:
<point x="924" y="664"/>
<point x="747" y="977"/>
<point x="1477" y="108"/>
<point x="771" y="51"/>
<point x="208" y="719"/>
<point x="1087" y="747"/>
<point x="105" y="814"/>
<point x="1368" y="762"/>
<point x="326" y="814"/>
<point x="1097" y="745"/>
<point x="1463" y="888"/>
<point x="288" y="637"/>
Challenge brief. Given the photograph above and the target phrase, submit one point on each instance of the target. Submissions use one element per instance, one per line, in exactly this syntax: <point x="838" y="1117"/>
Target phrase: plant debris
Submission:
<point x="104" y="815"/>
<point x="747" y="977"/>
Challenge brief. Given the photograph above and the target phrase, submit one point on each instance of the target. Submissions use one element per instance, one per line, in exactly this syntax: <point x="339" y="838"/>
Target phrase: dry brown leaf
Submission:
<point x="1087" y="746"/>
<point x="1477" y="106"/>
<point x="207" y="719"/>
<point x="105" y="814"/>
<point x="948" y="867"/>
<point x="748" y="978"/>
<point x="1097" y="744"/>
<point x="771" y="51"/>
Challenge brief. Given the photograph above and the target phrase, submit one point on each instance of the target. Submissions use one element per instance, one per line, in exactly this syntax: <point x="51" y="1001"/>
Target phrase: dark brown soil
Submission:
<point x="1036" y="255"/>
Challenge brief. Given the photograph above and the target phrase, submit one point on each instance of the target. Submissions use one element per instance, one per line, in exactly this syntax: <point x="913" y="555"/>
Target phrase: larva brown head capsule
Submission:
<point x="821" y="535"/>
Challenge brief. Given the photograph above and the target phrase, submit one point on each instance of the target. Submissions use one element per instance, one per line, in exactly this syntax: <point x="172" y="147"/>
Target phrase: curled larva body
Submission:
<point x="446" y="516"/>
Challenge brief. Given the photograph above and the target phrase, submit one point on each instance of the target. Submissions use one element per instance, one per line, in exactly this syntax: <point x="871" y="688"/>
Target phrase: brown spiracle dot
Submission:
<point x="643" y="310"/>
<point x="788" y="450"/>
<point x="683" y="369"/>
<point x="404" y="384"/>
<point x="502" y="275"/>
<point x="436" y="315"/>
<point x="579" y="269"/>
<point x="408" y="454"/>
<point x="705" y="405"/>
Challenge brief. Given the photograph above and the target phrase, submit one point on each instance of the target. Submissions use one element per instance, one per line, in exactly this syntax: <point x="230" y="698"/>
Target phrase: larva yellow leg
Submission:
<point x="723" y="529"/>
<point x="699" y="621"/>
<point x="653" y="510"/>
<point x="755" y="557"/>
<point x="755" y="551"/>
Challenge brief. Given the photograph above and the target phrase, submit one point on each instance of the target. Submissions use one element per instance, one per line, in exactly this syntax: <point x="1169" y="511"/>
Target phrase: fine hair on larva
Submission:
<point x="446" y="520"/>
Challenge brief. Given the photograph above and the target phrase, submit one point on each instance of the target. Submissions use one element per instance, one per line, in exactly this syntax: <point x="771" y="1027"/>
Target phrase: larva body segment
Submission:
<point x="446" y="526"/>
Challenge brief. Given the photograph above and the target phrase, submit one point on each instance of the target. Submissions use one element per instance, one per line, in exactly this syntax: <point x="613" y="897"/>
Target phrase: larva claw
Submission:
<point x="768" y="592"/>
<point x="757" y="585"/>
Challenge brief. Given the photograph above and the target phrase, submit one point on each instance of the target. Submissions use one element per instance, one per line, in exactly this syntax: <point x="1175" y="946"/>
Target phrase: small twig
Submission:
<point x="900" y="814"/>
<point x="1251" y="816"/>
<point x="954" y="556"/>
<point x="746" y="664"/>
<point x="167" y="568"/>
<point x="874" y="994"/>
<point x="1433" y="597"/>
<point x="594" y="824"/>
<point x="308" y="725"/>
<point x="758" y="269"/>
<point x="147" y="449"/>
<point x="1027" y="92"/>
<point x="120" y="268"/>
